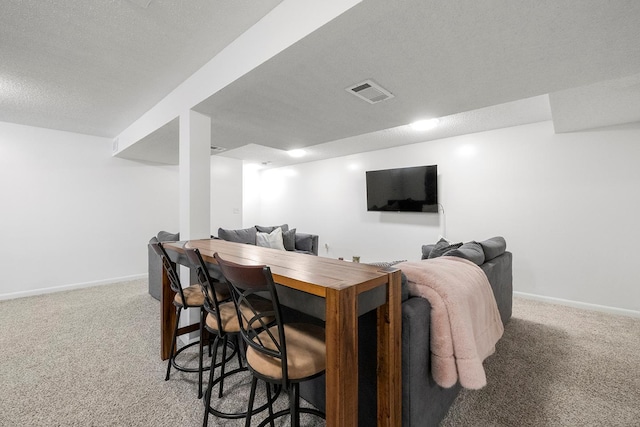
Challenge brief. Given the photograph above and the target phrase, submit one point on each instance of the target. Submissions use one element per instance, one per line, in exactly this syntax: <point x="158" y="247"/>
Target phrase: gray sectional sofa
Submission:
<point x="424" y="403"/>
<point x="292" y="240"/>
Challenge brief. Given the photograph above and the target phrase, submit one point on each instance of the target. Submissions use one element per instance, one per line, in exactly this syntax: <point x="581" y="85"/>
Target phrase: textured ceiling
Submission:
<point x="437" y="58"/>
<point x="94" y="67"/>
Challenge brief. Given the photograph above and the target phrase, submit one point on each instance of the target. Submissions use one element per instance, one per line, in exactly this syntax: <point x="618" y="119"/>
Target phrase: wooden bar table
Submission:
<point x="343" y="286"/>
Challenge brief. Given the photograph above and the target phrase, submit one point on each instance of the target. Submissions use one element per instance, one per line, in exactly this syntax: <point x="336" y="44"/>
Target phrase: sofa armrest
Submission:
<point x="418" y="386"/>
<point x="500" y="275"/>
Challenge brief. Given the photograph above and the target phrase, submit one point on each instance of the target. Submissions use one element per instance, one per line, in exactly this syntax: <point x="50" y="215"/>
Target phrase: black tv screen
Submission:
<point x="413" y="189"/>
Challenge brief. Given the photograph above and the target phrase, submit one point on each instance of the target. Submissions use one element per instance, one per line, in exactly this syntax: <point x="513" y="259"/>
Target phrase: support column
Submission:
<point x="195" y="176"/>
<point x="195" y="192"/>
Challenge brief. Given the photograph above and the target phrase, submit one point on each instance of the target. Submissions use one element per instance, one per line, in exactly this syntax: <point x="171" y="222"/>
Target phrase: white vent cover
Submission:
<point x="370" y="92"/>
<point x="215" y="149"/>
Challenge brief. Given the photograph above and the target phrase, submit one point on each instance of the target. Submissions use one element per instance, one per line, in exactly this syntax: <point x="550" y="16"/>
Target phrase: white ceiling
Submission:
<point x="94" y="67"/>
<point x="475" y="65"/>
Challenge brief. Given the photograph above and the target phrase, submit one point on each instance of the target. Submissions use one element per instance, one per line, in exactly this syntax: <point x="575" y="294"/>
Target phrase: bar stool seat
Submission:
<point x="193" y="296"/>
<point x="305" y="352"/>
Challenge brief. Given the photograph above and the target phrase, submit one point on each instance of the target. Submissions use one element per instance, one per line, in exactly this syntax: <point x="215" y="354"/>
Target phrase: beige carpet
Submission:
<point x="90" y="357"/>
<point x="558" y="366"/>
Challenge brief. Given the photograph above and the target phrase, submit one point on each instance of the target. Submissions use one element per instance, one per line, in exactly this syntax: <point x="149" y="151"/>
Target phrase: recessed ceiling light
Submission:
<point x="424" y="124"/>
<point x="297" y="153"/>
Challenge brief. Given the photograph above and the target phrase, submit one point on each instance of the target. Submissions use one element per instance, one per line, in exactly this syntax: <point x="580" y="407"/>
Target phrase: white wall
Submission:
<point x="567" y="205"/>
<point x="72" y="214"/>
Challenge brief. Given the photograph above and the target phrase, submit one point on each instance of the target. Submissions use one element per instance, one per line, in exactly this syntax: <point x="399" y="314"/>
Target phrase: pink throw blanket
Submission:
<point x="465" y="321"/>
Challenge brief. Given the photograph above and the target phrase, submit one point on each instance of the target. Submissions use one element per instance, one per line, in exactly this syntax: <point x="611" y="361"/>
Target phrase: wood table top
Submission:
<point x="312" y="274"/>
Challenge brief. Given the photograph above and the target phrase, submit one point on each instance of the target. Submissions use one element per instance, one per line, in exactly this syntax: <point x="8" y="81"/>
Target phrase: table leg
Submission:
<point x="390" y="355"/>
<point x="341" y="336"/>
<point x="167" y="316"/>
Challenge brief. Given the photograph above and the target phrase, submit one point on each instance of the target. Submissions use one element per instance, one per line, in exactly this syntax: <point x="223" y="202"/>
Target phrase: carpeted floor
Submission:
<point x="90" y="357"/>
<point x="558" y="366"/>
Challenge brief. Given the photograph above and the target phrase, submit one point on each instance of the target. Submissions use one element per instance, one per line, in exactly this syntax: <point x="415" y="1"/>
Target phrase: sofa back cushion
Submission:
<point x="245" y="235"/>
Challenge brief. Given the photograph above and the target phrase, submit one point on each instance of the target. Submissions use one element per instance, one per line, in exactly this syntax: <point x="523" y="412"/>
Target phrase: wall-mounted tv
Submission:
<point x="413" y="189"/>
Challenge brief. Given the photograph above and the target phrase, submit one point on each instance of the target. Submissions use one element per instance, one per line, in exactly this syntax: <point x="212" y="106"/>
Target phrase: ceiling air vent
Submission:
<point x="370" y="92"/>
<point x="215" y="149"/>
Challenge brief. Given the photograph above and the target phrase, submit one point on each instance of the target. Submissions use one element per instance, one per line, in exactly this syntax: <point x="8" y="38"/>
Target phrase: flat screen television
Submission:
<point x="413" y="189"/>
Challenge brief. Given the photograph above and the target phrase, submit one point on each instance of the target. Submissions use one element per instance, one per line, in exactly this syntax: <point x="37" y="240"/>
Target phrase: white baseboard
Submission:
<point x="578" y="304"/>
<point x="53" y="289"/>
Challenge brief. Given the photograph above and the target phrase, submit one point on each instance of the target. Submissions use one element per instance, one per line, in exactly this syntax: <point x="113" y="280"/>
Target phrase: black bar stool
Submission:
<point x="277" y="353"/>
<point x="190" y="297"/>
<point x="222" y="321"/>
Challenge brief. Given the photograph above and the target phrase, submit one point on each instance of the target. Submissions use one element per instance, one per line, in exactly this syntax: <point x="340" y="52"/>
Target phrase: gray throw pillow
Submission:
<point x="246" y="235"/>
<point x="270" y="228"/>
<point x="426" y="250"/>
<point x="304" y="242"/>
<point x="165" y="236"/>
<point x="442" y="247"/>
<point x="289" y="239"/>
<point x="471" y="251"/>
<point x="493" y="247"/>
<point x="271" y="240"/>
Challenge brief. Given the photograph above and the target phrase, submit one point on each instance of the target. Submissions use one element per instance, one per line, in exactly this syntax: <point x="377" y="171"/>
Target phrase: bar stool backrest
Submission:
<point x="174" y="279"/>
<point x="249" y="284"/>
<point x="211" y="302"/>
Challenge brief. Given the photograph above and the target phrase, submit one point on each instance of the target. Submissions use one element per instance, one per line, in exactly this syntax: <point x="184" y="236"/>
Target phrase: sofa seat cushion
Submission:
<point x="245" y="235"/>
